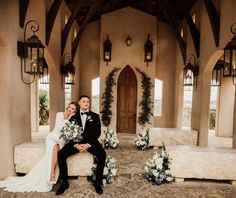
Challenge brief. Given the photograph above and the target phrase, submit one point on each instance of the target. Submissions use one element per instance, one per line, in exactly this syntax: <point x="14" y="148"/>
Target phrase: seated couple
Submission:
<point x="51" y="172"/>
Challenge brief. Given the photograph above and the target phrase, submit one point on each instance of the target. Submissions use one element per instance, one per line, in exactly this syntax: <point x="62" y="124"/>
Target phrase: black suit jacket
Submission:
<point x="92" y="128"/>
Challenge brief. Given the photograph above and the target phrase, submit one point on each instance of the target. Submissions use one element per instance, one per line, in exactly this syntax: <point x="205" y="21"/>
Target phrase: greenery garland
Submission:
<point x="146" y="103"/>
<point x="107" y="98"/>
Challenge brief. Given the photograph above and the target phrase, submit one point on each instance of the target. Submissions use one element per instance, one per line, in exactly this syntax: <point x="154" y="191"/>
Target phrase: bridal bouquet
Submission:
<point x="111" y="140"/>
<point x="157" y="169"/>
<point x="71" y="131"/>
<point x="109" y="172"/>
<point x="142" y="140"/>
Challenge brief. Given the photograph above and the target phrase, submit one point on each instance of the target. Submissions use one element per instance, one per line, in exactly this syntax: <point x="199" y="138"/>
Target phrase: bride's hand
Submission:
<point x="69" y="117"/>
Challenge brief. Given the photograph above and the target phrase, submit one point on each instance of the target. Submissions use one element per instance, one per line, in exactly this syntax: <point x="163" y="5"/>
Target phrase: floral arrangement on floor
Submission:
<point x="157" y="169"/>
<point x="109" y="172"/>
<point x="111" y="140"/>
<point x="71" y="131"/>
<point x="142" y="140"/>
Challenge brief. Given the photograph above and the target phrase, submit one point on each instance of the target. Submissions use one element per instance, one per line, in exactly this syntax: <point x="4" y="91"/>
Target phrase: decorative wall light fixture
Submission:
<point x="128" y="41"/>
<point x="216" y="73"/>
<point x="148" y="50"/>
<point x="230" y="56"/>
<point x="31" y="52"/>
<point x="107" y="50"/>
<point x="44" y="78"/>
<point x="190" y="72"/>
<point x="67" y="69"/>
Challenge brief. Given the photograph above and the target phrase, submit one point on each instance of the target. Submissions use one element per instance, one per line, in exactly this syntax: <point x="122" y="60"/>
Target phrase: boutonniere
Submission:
<point x="89" y="118"/>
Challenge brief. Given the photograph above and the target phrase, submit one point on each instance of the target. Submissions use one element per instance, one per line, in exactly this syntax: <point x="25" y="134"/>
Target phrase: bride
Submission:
<point x="45" y="172"/>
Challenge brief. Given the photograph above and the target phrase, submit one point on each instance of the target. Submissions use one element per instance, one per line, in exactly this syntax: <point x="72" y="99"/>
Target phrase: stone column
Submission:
<point x="15" y="125"/>
<point x="234" y="120"/>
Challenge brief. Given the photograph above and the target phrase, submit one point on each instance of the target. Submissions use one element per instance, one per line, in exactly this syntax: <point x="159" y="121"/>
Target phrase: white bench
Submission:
<point x="202" y="163"/>
<point x="26" y="155"/>
<point x="172" y="136"/>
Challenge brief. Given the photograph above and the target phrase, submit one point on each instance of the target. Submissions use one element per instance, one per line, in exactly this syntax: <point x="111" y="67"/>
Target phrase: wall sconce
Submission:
<point x="128" y="41"/>
<point x="190" y="72"/>
<point x="107" y="50"/>
<point x="216" y="73"/>
<point x="44" y="78"/>
<point x="68" y="69"/>
<point x="148" y="49"/>
<point x="230" y="56"/>
<point x="31" y="52"/>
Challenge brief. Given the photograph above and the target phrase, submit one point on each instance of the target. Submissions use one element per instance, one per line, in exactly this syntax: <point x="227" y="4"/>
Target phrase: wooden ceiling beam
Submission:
<point x="51" y="17"/>
<point x="214" y="18"/>
<point x="89" y="15"/>
<point x="23" y="11"/>
<point x="65" y="32"/>
<point x="182" y="44"/>
<point x="192" y="27"/>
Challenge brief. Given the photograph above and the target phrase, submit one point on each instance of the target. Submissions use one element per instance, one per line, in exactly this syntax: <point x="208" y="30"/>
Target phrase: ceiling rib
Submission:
<point x="65" y="32"/>
<point x="51" y="17"/>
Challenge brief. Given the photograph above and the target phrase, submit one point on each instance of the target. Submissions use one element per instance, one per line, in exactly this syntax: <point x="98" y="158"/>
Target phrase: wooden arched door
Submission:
<point x="126" y="101"/>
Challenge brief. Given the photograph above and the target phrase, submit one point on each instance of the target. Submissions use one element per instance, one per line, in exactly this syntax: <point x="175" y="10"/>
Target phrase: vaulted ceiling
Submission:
<point x="164" y="10"/>
<point x="168" y="11"/>
<point x="171" y="12"/>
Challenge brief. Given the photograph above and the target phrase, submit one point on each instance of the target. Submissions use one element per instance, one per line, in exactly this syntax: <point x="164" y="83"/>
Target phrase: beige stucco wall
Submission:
<point x="137" y="25"/>
<point x="165" y="71"/>
<point x="226" y="108"/>
<point x="15" y="96"/>
<point x="89" y="57"/>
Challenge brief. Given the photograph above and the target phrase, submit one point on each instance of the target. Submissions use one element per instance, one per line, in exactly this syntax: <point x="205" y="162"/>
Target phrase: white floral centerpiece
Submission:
<point x="111" y="140"/>
<point x="71" y="131"/>
<point x="142" y="140"/>
<point x="157" y="169"/>
<point x="109" y="172"/>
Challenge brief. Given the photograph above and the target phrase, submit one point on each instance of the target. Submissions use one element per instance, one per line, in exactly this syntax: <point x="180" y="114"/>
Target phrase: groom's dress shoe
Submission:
<point x="98" y="188"/>
<point x="56" y="186"/>
<point x="63" y="187"/>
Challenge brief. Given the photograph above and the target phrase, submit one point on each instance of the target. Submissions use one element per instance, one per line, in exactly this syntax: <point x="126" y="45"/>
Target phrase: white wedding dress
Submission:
<point x="37" y="180"/>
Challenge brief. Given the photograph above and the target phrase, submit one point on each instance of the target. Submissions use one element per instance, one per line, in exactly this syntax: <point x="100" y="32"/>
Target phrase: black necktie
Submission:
<point x="84" y="113"/>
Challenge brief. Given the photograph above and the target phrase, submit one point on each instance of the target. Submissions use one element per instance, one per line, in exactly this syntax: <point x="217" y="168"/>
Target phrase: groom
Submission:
<point x="90" y="122"/>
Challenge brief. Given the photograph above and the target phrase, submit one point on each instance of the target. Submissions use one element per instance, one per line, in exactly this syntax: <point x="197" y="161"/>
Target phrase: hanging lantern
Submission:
<point x="44" y="78"/>
<point x="230" y="56"/>
<point x="67" y="69"/>
<point x="190" y="72"/>
<point x="107" y="50"/>
<point x="148" y="50"/>
<point x="31" y="51"/>
<point x="217" y="73"/>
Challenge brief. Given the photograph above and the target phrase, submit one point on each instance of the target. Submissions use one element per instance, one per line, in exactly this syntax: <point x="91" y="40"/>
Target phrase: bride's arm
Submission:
<point x="60" y="121"/>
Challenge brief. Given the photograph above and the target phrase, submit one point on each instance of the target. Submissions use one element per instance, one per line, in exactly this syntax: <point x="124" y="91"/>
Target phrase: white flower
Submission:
<point x="109" y="171"/>
<point x="157" y="169"/>
<point x="105" y="171"/>
<point x="113" y="171"/>
<point x="71" y="131"/>
<point x="111" y="140"/>
<point x="141" y="140"/>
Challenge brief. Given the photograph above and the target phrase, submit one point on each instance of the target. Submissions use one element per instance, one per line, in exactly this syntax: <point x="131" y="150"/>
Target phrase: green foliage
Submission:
<point x="212" y="119"/>
<point x="43" y="108"/>
<point x="107" y="98"/>
<point x="146" y="103"/>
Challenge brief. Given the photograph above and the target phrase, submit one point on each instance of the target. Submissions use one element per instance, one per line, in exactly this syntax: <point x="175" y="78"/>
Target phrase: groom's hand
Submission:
<point x="82" y="147"/>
